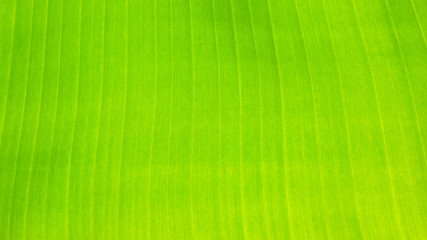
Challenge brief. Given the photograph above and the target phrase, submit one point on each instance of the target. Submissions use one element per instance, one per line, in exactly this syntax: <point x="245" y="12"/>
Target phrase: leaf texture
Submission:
<point x="213" y="119"/>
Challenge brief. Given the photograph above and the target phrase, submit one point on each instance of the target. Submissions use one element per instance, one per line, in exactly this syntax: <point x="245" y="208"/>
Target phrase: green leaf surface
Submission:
<point x="213" y="119"/>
